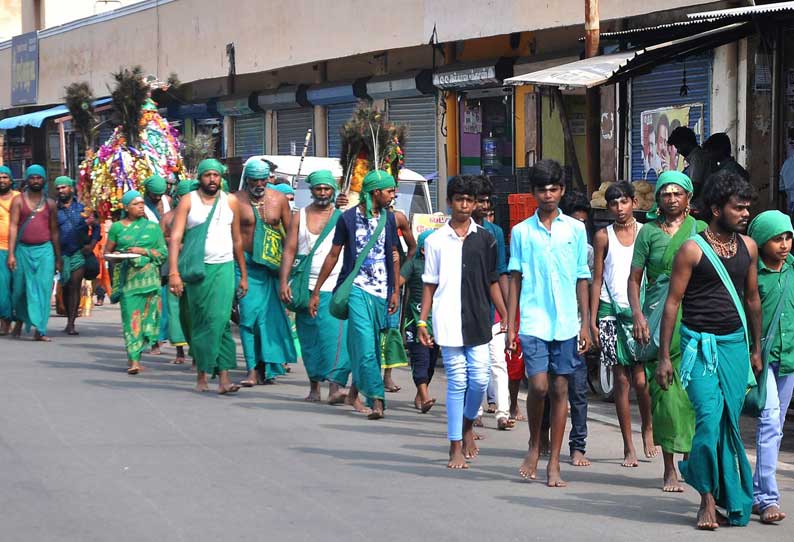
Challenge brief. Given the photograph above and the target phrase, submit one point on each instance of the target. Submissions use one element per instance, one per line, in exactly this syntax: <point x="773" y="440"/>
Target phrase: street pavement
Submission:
<point x="88" y="453"/>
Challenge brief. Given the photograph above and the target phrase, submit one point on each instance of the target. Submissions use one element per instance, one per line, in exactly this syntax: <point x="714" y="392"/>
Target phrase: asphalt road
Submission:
<point x="88" y="453"/>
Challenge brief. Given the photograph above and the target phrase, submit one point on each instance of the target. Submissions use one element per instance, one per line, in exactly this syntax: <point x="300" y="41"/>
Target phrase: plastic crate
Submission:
<point x="522" y="206"/>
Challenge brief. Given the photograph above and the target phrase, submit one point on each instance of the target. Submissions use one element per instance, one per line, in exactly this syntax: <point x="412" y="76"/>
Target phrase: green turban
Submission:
<point x="155" y="185"/>
<point x="129" y="196"/>
<point x="5" y="170"/>
<point x="210" y="164"/>
<point x="321" y="177"/>
<point x="35" y="169"/>
<point x="63" y="181"/>
<point x="256" y="169"/>
<point x="668" y="177"/>
<point x="420" y="243"/>
<point x="186" y="186"/>
<point x="375" y="180"/>
<point x="769" y="224"/>
<point x="283" y="188"/>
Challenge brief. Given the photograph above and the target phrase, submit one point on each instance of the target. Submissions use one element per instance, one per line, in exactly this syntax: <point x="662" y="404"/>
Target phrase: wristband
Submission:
<point x="174" y="274"/>
<point x="421" y="323"/>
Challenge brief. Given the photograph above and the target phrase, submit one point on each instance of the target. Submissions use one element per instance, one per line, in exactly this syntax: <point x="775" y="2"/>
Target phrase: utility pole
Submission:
<point x="592" y="33"/>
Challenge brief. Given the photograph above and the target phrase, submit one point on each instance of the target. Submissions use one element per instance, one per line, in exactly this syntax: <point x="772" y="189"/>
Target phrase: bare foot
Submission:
<point x="630" y="459"/>
<point x="156" y="349"/>
<point x="478" y="436"/>
<point x="648" y="444"/>
<point x="478" y="422"/>
<point x="337" y="397"/>
<point x="201" y="387"/>
<point x="518" y="416"/>
<point x="470" y="448"/>
<point x="427" y="405"/>
<point x="707" y="514"/>
<point x="40" y="338"/>
<point x="357" y="405"/>
<point x="313" y="397"/>
<point x="529" y="468"/>
<point x="5" y="325"/>
<point x="772" y="514"/>
<point x="17" y="331"/>
<point x="377" y="410"/>
<point x="178" y="361"/>
<point x="457" y="460"/>
<point x="228" y="388"/>
<point x="553" y="478"/>
<point x="579" y="460"/>
<point x="505" y="424"/>
<point x="671" y="484"/>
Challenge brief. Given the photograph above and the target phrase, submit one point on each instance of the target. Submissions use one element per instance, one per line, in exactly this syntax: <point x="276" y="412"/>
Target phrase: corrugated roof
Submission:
<point x="744" y="11"/>
<point x="668" y="26"/>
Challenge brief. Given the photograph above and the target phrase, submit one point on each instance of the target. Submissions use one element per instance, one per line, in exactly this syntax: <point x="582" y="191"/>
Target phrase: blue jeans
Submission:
<point x="468" y="372"/>
<point x="768" y="436"/>
<point x="577" y="398"/>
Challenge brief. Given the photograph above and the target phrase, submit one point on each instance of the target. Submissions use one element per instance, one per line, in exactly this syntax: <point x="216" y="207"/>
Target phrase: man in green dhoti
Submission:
<point x="34" y="253"/>
<point x="715" y="282"/>
<point x="654" y="249"/>
<point x="265" y="331"/>
<point x="208" y="222"/>
<point x="323" y="339"/>
<point x="368" y="234"/>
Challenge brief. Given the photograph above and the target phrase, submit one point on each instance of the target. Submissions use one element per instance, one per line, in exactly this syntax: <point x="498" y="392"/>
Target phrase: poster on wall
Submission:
<point x="25" y="69"/>
<point x="657" y="125"/>
<point x="424" y="222"/>
<point x="472" y="119"/>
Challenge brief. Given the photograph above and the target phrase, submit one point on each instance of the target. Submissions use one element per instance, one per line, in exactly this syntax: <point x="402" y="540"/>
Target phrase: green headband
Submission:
<point x="210" y="164"/>
<point x="155" y="185"/>
<point x="668" y="177"/>
<point x="321" y="177"/>
<point x="64" y="181"/>
<point x="420" y="243"/>
<point x="283" y="188"/>
<point x="35" y="169"/>
<point x="375" y="180"/>
<point x="7" y="171"/>
<point x="256" y="169"/>
<point x="130" y="196"/>
<point x="769" y="224"/>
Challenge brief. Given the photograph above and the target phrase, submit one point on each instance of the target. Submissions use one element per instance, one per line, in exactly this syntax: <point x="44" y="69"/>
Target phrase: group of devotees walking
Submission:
<point x="689" y="313"/>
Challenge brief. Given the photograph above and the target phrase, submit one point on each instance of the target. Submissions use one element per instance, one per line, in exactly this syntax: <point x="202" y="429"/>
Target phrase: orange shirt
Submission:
<point x="5" y="219"/>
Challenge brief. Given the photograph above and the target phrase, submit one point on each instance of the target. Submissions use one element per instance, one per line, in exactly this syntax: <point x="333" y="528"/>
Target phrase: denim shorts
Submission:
<point x="555" y="357"/>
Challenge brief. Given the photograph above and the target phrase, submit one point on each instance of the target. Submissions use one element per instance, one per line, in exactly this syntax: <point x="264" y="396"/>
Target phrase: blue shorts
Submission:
<point x="555" y="357"/>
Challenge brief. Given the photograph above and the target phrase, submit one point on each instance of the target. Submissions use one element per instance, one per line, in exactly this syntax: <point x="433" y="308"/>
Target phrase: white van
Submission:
<point x="413" y="194"/>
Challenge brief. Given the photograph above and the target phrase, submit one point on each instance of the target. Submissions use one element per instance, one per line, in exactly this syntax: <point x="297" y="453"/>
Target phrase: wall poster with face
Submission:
<point x="657" y="125"/>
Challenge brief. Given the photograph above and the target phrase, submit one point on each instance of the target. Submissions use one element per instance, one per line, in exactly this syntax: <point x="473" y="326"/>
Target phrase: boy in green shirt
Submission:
<point x="772" y="231"/>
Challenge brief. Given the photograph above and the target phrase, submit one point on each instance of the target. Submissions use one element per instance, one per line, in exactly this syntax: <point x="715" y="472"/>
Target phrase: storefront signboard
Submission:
<point x="25" y="69"/>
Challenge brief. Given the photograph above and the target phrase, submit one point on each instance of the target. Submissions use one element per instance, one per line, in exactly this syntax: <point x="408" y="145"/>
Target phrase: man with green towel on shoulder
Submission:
<point x="34" y="253"/>
<point x="264" y="328"/>
<point x="171" y="302"/>
<point x="374" y="293"/>
<point x="323" y="339"/>
<point x="715" y="282"/>
<point x="75" y="245"/>
<point x="208" y="221"/>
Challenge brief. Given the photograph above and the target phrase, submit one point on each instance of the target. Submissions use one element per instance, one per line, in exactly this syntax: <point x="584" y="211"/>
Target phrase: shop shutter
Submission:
<point x="292" y="125"/>
<point x="338" y="115"/>
<point x="419" y="115"/>
<point x="249" y="135"/>
<point x="661" y="88"/>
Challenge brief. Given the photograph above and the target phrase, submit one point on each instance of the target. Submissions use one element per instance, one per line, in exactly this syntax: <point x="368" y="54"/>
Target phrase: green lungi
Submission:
<point x="205" y="311"/>
<point x="366" y="321"/>
<point x="71" y="264"/>
<point x="32" y="284"/>
<point x="162" y="334"/>
<point x="714" y="372"/>
<point x="323" y="342"/>
<point x="140" y="320"/>
<point x="265" y="331"/>
<point x="175" y="334"/>
<point x="6" y="305"/>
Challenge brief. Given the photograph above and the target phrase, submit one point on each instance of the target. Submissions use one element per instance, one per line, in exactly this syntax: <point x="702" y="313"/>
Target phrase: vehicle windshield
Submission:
<point x="410" y="197"/>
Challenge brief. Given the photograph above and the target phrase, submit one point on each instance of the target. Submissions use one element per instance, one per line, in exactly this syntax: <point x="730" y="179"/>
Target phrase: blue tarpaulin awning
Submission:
<point x="37" y="118"/>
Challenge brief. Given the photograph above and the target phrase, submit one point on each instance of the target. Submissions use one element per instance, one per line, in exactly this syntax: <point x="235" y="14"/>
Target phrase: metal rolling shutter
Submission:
<point x="661" y="88"/>
<point x="419" y="115"/>
<point x="249" y="135"/>
<point x="338" y="115"/>
<point x="292" y="125"/>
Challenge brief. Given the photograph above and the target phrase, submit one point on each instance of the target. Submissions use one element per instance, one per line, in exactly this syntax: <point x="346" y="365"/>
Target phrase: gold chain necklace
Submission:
<point x="667" y="227"/>
<point x="724" y="249"/>
<point x="631" y="223"/>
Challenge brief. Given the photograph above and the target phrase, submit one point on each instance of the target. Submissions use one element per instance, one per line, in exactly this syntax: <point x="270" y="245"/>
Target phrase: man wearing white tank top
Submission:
<point x="207" y="303"/>
<point x="323" y="339"/>
<point x="265" y="330"/>
<point x="609" y="308"/>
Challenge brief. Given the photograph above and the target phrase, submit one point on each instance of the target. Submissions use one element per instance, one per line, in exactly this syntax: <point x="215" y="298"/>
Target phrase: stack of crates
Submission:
<point x="522" y="206"/>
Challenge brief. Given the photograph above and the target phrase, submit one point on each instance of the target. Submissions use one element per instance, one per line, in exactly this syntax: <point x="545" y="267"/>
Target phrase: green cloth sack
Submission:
<point x="299" y="276"/>
<point x="755" y="400"/>
<point x="340" y="300"/>
<point x="393" y="348"/>
<point x="268" y="245"/>
<point x="191" y="258"/>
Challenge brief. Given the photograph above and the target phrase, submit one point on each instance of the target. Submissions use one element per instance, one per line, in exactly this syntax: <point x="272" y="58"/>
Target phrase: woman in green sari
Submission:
<point x="654" y="250"/>
<point x="136" y="281"/>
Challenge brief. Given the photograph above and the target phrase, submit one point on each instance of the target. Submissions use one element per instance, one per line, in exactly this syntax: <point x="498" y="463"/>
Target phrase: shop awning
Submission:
<point x="605" y="69"/>
<point x="742" y="12"/>
<point x="37" y="118"/>
<point x="289" y="97"/>
<point x="238" y="106"/>
<point x="336" y="93"/>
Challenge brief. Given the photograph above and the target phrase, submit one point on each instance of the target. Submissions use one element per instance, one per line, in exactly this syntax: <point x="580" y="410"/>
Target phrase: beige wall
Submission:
<point x="58" y="12"/>
<point x="10" y="18"/>
<point x="192" y="35"/>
